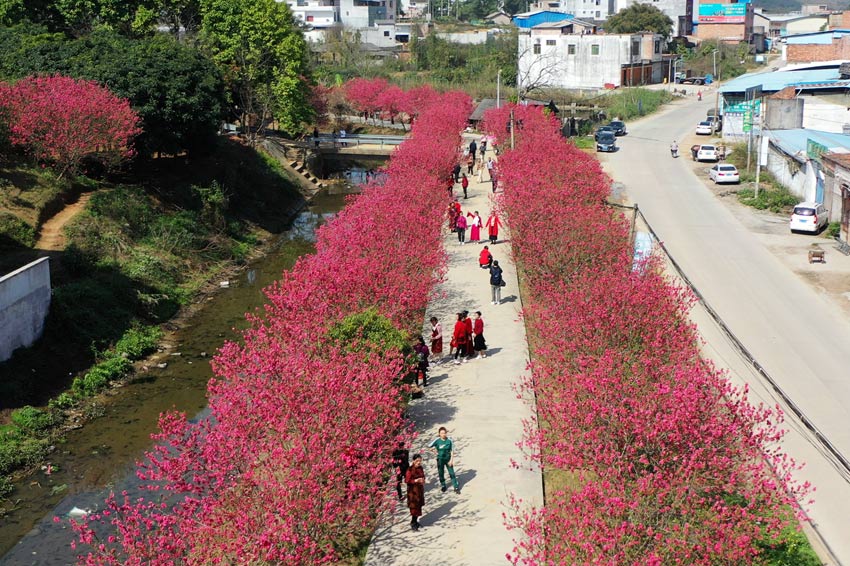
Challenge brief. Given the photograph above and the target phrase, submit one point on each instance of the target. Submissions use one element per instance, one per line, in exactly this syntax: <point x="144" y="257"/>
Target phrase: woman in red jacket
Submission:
<point x="493" y="224"/>
<point x="459" y="337"/>
<point x="468" y="322"/>
<point x="478" y="343"/>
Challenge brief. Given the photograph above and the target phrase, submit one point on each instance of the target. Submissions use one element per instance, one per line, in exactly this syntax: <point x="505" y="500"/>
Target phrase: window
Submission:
<point x="571" y="49"/>
<point x="550" y="42"/>
<point x="309" y="18"/>
<point x="537" y="49"/>
<point x="386" y="34"/>
<point x="597" y="14"/>
<point x="658" y="46"/>
<point x="594" y="49"/>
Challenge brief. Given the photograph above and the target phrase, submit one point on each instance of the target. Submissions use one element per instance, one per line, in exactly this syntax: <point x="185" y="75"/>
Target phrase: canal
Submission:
<point x="101" y="455"/>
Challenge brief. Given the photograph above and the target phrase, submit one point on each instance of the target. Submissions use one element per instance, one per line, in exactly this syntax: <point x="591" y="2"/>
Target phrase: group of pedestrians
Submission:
<point x="412" y="474"/>
<point x="466" y="340"/>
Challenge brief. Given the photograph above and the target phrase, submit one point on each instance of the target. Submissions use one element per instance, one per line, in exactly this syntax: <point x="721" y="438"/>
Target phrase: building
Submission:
<point x="817" y="46"/>
<point x="823" y="107"/>
<point x="414" y="8"/>
<point x="470" y="37"/>
<point x="317" y="16"/>
<point x="795" y="159"/>
<point x="571" y="55"/>
<point x="726" y="22"/>
<point x="837" y="190"/>
<point x="681" y="12"/>
<point x="365" y="13"/>
<point x="793" y="24"/>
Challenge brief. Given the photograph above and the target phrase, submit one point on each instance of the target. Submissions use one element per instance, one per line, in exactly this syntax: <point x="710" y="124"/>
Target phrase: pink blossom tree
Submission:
<point x="64" y="121"/>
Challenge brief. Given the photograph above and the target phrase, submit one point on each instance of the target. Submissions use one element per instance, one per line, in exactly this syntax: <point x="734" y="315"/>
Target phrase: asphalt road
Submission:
<point x="799" y="336"/>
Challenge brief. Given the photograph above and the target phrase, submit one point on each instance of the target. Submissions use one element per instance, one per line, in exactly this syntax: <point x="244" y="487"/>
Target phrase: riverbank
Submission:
<point x="102" y="453"/>
<point x="148" y="250"/>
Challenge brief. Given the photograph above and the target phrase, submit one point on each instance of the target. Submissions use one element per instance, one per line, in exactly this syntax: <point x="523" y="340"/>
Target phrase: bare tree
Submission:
<point x="536" y="69"/>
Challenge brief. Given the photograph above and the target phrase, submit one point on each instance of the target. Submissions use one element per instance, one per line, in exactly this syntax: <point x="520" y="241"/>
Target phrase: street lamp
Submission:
<point x="673" y="69"/>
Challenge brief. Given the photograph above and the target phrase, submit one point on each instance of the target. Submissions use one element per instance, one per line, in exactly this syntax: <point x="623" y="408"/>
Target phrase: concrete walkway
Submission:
<point x="478" y="403"/>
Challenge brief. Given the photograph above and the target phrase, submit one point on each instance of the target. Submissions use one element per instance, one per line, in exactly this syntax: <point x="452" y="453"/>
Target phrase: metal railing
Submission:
<point x="354" y="140"/>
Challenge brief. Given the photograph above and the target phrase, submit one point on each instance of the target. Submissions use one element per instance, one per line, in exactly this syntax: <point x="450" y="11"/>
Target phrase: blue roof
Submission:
<point x="772" y="82"/>
<point x="816" y="37"/>
<point x="794" y="141"/>
<point x="530" y="19"/>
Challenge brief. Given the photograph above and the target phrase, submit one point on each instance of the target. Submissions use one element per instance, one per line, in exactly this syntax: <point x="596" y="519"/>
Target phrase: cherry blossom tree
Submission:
<point x="64" y="121"/>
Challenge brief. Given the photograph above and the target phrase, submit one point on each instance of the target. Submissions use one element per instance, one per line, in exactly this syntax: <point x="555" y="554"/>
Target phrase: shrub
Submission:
<point x="64" y="400"/>
<point x="774" y="200"/>
<point x="138" y="342"/>
<point x="833" y="230"/>
<point x="99" y="376"/>
<point x="32" y="420"/>
<point x="17" y="452"/>
<point x="371" y="333"/>
<point x="15" y="232"/>
<point x="130" y="207"/>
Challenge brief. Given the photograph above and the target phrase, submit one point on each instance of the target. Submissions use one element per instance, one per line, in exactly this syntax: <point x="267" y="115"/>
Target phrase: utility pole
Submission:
<point x="498" y="88"/>
<point x="513" y="126"/>
<point x="758" y="147"/>
<point x="714" y="63"/>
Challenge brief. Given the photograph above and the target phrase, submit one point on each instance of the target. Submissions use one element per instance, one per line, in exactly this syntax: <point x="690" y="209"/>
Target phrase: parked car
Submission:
<point x="606" y="141"/>
<point x="707" y="153"/>
<point x="809" y="217"/>
<point x="601" y="130"/>
<point x="704" y="129"/>
<point x="716" y="123"/>
<point x="724" y="173"/>
<point x="692" y="81"/>
<point x="619" y="127"/>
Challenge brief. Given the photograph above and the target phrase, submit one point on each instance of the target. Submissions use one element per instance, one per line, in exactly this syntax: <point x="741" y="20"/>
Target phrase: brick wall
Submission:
<point x="721" y="31"/>
<point x="839" y="49"/>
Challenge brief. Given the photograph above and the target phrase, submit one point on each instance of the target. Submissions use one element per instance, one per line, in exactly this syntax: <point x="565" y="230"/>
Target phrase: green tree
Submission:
<point x="79" y="17"/>
<point x="263" y="56"/>
<point x="177" y="92"/>
<point x="640" y="17"/>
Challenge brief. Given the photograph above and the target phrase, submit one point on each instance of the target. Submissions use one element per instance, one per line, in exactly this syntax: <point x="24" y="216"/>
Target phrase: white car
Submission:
<point x="809" y="217"/>
<point x="707" y="153"/>
<point x="724" y="173"/>
<point x="704" y="129"/>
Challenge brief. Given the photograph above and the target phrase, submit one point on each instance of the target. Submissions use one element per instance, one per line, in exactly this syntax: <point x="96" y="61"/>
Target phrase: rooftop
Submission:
<point x="842" y="159"/>
<point x="777" y="80"/>
<point x="794" y="142"/>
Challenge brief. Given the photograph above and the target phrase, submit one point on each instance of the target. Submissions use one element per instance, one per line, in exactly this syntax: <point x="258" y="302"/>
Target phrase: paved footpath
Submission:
<point x="478" y="403"/>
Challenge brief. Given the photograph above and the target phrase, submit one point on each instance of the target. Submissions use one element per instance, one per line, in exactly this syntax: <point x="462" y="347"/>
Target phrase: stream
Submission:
<point x="101" y="455"/>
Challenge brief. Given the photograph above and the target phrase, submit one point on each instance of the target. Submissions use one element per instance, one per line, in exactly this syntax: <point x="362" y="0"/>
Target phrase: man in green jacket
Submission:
<point x="442" y="446"/>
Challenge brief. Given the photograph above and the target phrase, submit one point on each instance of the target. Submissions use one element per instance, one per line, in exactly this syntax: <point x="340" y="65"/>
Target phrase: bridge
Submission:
<point x="356" y="144"/>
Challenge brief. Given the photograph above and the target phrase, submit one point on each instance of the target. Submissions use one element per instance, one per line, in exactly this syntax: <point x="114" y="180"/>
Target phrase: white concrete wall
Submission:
<point x="583" y="70"/>
<point x="824" y="116"/>
<point x="798" y="178"/>
<point x="467" y="38"/>
<point x="24" y="303"/>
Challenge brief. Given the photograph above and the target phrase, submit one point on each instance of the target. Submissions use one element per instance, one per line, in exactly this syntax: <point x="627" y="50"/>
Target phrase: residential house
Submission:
<point x="681" y="12"/>
<point x="364" y="13"/>
<point x="837" y="190"/>
<point x="817" y="46"/>
<point x="782" y="25"/>
<point x="498" y="18"/>
<point x="571" y="55"/>
<point x="415" y="8"/>
<point x="317" y="16"/>
<point x="823" y="84"/>
<point x="795" y="159"/>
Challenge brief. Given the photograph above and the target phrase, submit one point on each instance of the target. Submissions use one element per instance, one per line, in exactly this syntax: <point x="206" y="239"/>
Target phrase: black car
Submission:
<point x="606" y="141"/>
<point x="603" y="130"/>
<point x="619" y="127"/>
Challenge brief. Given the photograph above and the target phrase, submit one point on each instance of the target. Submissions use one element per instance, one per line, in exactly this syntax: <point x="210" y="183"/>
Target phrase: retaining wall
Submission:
<point x="24" y="303"/>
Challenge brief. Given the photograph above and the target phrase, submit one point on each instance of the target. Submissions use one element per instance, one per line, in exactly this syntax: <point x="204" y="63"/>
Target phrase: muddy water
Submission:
<point x="101" y="456"/>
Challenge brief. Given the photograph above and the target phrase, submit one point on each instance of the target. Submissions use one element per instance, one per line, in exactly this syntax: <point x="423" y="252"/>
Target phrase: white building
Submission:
<point x="365" y="13"/>
<point x="559" y="55"/>
<point x="316" y="15"/>
<point x="680" y="11"/>
<point x="414" y="8"/>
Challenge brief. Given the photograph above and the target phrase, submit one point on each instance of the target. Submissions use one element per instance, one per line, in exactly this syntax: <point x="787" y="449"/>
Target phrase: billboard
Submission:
<point x="722" y="13"/>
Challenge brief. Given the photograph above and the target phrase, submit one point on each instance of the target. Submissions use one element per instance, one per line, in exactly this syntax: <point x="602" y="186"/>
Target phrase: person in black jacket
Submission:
<point x="401" y="461"/>
<point x="496" y="282"/>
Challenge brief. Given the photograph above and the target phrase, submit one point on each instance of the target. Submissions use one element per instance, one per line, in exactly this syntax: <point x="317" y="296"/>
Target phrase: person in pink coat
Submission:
<point x="460" y="227"/>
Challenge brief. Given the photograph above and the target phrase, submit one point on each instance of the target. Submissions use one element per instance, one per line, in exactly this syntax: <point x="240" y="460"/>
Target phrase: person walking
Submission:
<point x="474" y="226"/>
<point x="422" y="354"/>
<point x="460" y="227"/>
<point x="493" y="224"/>
<point x="452" y="218"/>
<point x="483" y="146"/>
<point x="456" y="172"/>
<point x="442" y="446"/>
<point x="436" y="337"/>
<point x="464" y="184"/>
<point x="401" y="462"/>
<point x="473" y="147"/>
<point x="470" y="163"/>
<point x="485" y="258"/>
<point x="459" y="337"/>
<point x="414" y="477"/>
<point x="496" y="282"/>
<point x="468" y="322"/>
<point x="478" y="343"/>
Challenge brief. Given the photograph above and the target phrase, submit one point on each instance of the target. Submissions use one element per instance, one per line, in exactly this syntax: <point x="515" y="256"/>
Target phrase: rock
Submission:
<point x="203" y="354"/>
<point x="76" y="512"/>
<point x="176" y="354"/>
<point x="224" y="284"/>
<point x="163" y="365"/>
